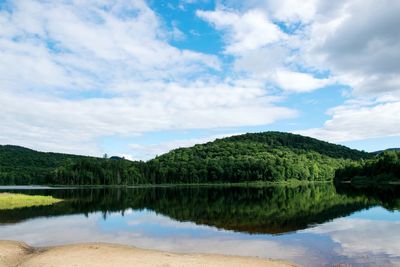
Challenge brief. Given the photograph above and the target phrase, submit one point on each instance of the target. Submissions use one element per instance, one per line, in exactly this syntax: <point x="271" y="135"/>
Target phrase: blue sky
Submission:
<point x="138" y="78"/>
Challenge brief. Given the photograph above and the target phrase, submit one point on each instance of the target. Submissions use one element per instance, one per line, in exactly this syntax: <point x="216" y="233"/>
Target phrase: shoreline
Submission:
<point x="219" y="184"/>
<point x="14" y="253"/>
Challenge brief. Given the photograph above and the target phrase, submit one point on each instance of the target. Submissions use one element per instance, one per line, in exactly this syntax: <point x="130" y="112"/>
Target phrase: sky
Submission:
<point x="139" y="78"/>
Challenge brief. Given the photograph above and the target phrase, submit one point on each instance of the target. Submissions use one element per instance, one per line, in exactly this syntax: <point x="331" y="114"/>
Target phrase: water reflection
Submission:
<point x="313" y="225"/>
<point x="359" y="237"/>
<point x="272" y="210"/>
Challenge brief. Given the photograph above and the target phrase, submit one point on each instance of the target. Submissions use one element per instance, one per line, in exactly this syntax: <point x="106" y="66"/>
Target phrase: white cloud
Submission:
<point x="357" y="41"/>
<point x="176" y="33"/>
<point x="261" y="49"/>
<point x="359" y="120"/>
<point x="49" y="123"/>
<point x="73" y="72"/>
<point x="88" y="45"/>
<point x="292" y="10"/>
<point x="360" y="237"/>
<point x="359" y="44"/>
<point x="248" y="31"/>
<point x="299" y="82"/>
<point x="262" y="62"/>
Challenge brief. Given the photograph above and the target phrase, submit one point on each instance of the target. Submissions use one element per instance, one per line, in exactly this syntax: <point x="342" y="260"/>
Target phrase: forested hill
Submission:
<point x="296" y="141"/>
<point x="26" y="166"/>
<point x="269" y="156"/>
<point x="23" y="166"/>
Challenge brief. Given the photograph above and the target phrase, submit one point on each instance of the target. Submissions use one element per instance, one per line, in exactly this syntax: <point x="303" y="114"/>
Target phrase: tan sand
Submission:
<point x="100" y="254"/>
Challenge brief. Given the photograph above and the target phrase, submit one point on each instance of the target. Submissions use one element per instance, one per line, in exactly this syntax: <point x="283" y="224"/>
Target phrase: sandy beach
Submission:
<point x="100" y="254"/>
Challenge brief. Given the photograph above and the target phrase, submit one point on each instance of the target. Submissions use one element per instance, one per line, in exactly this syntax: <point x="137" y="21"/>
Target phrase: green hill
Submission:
<point x="269" y="156"/>
<point x="19" y="165"/>
<point x="299" y="142"/>
<point x="23" y="166"/>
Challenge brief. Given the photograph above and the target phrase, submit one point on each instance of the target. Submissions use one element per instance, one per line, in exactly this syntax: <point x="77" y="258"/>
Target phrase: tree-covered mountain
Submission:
<point x="269" y="156"/>
<point x="296" y="141"/>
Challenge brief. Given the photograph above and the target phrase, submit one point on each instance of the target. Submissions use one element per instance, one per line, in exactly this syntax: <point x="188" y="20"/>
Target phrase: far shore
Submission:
<point x="255" y="183"/>
<point x="14" y="253"/>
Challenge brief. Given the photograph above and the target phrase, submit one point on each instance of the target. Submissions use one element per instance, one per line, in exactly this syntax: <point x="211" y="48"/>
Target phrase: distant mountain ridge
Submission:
<point x="388" y="149"/>
<point x="267" y="156"/>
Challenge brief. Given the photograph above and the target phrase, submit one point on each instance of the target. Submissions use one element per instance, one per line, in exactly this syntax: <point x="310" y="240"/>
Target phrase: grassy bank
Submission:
<point x="14" y="201"/>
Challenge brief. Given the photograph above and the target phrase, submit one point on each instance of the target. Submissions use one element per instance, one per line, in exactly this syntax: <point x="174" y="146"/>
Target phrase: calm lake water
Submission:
<point x="309" y="225"/>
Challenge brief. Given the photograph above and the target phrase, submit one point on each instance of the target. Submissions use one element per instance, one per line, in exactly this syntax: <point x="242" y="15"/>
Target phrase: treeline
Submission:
<point x="269" y="156"/>
<point x="385" y="167"/>
<point x="96" y="171"/>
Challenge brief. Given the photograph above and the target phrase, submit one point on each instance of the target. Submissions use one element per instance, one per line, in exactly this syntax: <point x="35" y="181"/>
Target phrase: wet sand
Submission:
<point x="100" y="254"/>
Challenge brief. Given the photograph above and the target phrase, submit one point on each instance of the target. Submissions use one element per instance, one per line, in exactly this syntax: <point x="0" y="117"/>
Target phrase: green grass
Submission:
<point x="15" y="201"/>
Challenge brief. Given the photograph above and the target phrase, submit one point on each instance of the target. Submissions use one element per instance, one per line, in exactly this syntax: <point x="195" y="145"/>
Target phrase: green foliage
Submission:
<point x="96" y="171"/>
<point x="24" y="166"/>
<point x="275" y="209"/>
<point x="299" y="142"/>
<point x="383" y="168"/>
<point x="269" y="156"/>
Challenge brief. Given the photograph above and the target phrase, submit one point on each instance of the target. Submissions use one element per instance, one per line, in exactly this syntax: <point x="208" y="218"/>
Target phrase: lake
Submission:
<point x="314" y="225"/>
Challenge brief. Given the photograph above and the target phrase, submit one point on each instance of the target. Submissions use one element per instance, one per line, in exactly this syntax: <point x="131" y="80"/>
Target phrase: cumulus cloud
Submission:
<point x="247" y="31"/>
<point x="358" y="121"/>
<point x="73" y="72"/>
<point x="73" y="125"/>
<point x="357" y="42"/>
<point x="88" y="45"/>
<point x="261" y="48"/>
<point x="360" y="45"/>
<point x="299" y="82"/>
